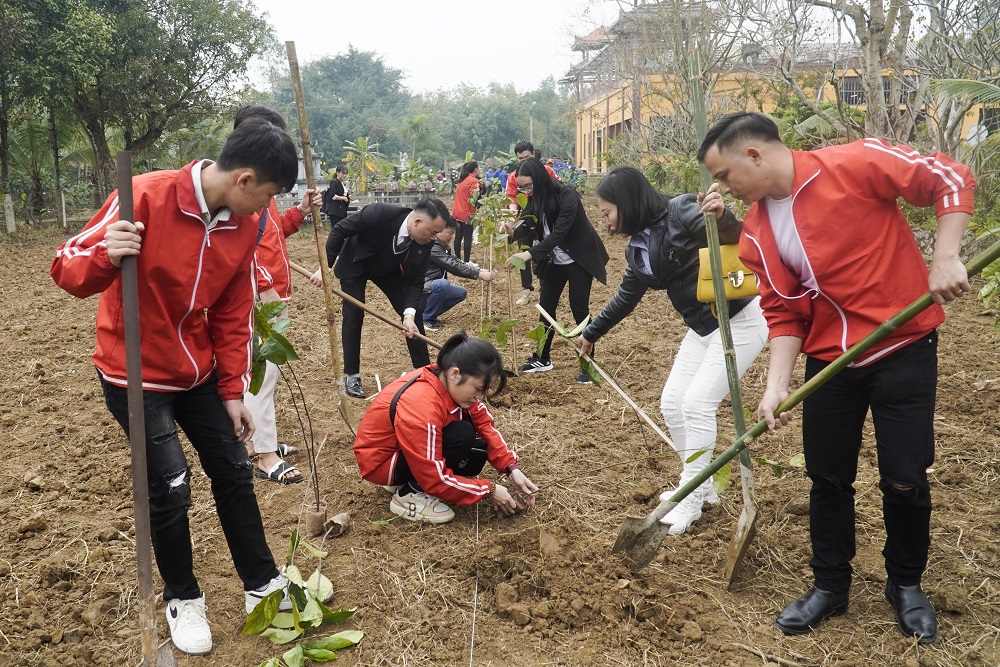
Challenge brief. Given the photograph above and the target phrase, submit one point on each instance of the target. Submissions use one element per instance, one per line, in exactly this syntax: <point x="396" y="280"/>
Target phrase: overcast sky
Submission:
<point x="441" y="43"/>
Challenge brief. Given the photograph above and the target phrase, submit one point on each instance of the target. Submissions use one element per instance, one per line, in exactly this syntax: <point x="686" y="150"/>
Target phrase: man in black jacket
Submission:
<point x="440" y="296"/>
<point x="390" y="246"/>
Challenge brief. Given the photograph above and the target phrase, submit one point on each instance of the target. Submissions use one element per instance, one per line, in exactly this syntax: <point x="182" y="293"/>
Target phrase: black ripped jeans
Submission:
<point x="900" y="390"/>
<point x="202" y="416"/>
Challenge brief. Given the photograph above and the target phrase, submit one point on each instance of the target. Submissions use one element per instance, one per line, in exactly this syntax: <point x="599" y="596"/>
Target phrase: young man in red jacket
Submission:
<point x="835" y="257"/>
<point x="194" y="238"/>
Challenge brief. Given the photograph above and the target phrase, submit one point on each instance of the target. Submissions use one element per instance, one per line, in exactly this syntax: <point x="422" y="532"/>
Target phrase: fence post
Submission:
<point x="8" y="213"/>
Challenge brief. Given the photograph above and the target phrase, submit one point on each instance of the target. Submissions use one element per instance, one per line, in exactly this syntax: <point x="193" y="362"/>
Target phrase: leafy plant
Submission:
<point x="308" y="612"/>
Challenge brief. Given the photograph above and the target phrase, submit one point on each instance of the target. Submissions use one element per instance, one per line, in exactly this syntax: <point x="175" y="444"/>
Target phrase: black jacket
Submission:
<point x="335" y="208"/>
<point x="572" y="231"/>
<point x="674" y="240"/>
<point x="364" y="242"/>
<point x="443" y="263"/>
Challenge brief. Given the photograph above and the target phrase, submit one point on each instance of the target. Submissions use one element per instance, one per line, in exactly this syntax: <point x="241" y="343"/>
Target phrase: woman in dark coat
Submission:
<point x="566" y="250"/>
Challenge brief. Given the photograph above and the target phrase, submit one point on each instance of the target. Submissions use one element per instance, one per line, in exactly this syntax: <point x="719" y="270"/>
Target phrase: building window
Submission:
<point x="851" y="90"/>
<point x="989" y="118"/>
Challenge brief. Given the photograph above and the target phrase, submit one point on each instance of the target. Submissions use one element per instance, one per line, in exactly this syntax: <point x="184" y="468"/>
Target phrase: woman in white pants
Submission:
<point x="662" y="254"/>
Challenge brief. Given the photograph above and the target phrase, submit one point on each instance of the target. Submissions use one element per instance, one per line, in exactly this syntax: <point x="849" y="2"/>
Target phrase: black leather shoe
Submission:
<point x="807" y="612"/>
<point x="914" y="612"/>
<point x="354" y="388"/>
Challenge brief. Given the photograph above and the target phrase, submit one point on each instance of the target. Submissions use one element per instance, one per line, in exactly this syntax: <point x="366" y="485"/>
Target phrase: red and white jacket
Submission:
<point x="422" y="412"/>
<point x="272" y="252"/>
<point x="866" y="261"/>
<point x="196" y="288"/>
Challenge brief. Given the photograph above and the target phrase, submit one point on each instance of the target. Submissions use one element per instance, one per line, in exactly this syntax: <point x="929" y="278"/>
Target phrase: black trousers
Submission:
<point x="464" y="454"/>
<point x="552" y="285"/>
<point x="900" y="391"/>
<point x="463" y="235"/>
<point x="392" y="286"/>
<point x="204" y="419"/>
<point x="524" y="236"/>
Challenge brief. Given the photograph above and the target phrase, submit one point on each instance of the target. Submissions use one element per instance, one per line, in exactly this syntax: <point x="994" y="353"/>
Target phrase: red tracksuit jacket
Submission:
<point x="272" y="252"/>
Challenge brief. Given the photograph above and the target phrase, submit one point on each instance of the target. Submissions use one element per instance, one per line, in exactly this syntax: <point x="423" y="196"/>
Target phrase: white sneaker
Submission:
<point x="708" y="493"/>
<point x="189" y="626"/>
<point x="279" y="583"/>
<point x="684" y="514"/>
<point x="525" y="297"/>
<point x="420" y="507"/>
<point x="392" y="488"/>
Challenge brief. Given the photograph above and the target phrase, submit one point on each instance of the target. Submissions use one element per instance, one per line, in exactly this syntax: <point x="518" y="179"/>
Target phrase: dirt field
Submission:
<point x="540" y="589"/>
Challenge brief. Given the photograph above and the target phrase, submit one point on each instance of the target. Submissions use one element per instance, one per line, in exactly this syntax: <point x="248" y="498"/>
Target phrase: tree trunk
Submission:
<point x="60" y="213"/>
<point x="4" y="145"/>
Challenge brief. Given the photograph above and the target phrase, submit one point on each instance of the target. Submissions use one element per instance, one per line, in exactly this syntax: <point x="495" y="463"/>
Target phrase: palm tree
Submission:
<point x="362" y="157"/>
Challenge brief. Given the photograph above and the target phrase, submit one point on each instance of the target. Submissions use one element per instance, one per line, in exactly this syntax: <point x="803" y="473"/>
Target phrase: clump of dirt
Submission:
<point x="541" y="588"/>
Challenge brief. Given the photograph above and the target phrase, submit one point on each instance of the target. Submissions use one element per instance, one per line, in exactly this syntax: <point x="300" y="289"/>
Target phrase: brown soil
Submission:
<point x="540" y="589"/>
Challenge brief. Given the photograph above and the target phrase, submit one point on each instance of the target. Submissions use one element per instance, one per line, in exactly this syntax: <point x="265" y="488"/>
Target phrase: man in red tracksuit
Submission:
<point x="194" y="240"/>
<point x="834" y="258"/>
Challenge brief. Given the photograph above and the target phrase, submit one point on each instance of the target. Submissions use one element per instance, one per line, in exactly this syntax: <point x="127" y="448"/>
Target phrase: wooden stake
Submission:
<point x="331" y="312"/>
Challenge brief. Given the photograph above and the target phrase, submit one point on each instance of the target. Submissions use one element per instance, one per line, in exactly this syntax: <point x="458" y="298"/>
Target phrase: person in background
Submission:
<point x="566" y="250"/>
<point x="336" y="198"/>
<point x="390" y="246"/>
<point x="428" y="435"/>
<point x="834" y="258"/>
<point x="662" y="254"/>
<point x="466" y="194"/>
<point x="440" y="296"/>
<point x="523" y="233"/>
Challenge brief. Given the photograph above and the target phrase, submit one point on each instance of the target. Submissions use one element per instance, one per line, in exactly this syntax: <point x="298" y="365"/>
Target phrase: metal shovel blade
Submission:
<point x="165" y="656"/>
<point x="639" y="539"/>
<point x="746" y="526"/>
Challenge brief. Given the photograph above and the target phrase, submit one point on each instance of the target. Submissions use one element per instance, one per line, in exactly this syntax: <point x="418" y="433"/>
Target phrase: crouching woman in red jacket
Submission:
<point x="429" y="434"/>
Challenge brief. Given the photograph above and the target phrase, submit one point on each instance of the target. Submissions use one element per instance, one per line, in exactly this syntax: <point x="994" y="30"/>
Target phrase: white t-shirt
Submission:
<point x="789" y="244"/>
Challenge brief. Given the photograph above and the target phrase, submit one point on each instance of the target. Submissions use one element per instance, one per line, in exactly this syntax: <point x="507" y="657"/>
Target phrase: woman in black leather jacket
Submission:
<point x="663" y="255"/>
<point x="566" y="250"/>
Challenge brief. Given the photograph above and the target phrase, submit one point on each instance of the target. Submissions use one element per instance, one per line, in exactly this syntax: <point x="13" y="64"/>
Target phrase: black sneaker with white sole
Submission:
<point x="537" y="365"/>
<point x="584" y="379"/>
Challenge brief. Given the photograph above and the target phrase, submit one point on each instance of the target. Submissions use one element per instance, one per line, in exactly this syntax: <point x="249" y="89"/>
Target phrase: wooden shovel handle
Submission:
<point x="298" y="268"/>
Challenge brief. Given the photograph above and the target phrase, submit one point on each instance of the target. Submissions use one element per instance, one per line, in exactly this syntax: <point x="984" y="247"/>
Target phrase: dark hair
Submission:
<point x="264" y="147"/>
<point x="433" y="207"/>
<point x="639" y="203"/>
<point x="736" y="127"/>
<point x="467" y="169"/>
<point x="450" y="223"/>
<point x="474" y="357"/>
<point x="341" y="169"/>
<point x="522" y="146"/>
<point x="545" y="190"/>
<point x="262" y="112"/>
<point x="538" y="153"/>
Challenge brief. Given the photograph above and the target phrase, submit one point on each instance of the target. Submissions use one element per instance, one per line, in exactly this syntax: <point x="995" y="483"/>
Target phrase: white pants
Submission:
<point x="698" y="382"/>
<point x="261" y="407"/>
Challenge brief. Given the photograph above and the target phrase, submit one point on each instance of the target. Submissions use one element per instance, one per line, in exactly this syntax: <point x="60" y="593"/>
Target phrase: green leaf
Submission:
<point x="338" y="641"/>
<point x="539" y="334"/>
<point x="720" y="480"/>
<point x="257" y="370"/>
<point x="518" y="262"/>
<point x="503" y="330"/>
<point x="293" y="544"/>
<point x="277" y="636"/>
<point x="312" y="613"/>
<point x="774" y="465"/>
<point x="297" y="592"/>
<point x="578" y="329"/>
<point x="294" y="657"/>
<point x="336" y="616"/>
<point x="522" y="199"/>
<point x="487" y="329"/>
<point x="272" y="662"/>
<point x="319" y="586"/>
<point x="588" y="367"/>
<point x="272" y="309"/>
<point x="696" y="455"/>
<point x="314" y="550"/>
<point x="294" y="575"/>
<point x="262" y="615"/>
<point x="798" y="461"/>
<point x="320" y="655"/>
<point x="283" y="620"/>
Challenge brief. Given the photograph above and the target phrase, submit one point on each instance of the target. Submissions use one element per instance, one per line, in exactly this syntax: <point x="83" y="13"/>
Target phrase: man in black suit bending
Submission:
<point x="390" y="246"/>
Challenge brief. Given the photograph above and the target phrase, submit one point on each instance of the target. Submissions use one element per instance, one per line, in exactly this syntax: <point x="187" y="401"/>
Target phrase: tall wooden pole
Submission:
<point x="331" y="311"/>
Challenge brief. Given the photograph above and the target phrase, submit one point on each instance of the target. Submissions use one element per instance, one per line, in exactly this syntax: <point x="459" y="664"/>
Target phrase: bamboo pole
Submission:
<point x="331" y="311"/>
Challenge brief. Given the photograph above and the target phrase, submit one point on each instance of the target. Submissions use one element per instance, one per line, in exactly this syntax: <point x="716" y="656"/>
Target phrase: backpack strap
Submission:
<point x="395" y="399"/>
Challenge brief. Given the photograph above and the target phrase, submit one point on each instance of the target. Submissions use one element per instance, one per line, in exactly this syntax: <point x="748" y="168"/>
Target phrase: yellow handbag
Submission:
<point x="739" y="280"/>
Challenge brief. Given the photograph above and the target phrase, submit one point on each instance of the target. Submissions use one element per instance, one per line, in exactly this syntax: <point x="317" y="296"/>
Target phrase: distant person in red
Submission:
<point x="522" y="233"/>
<point x="466" y="194"/>
<point x="428" y="435"/>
